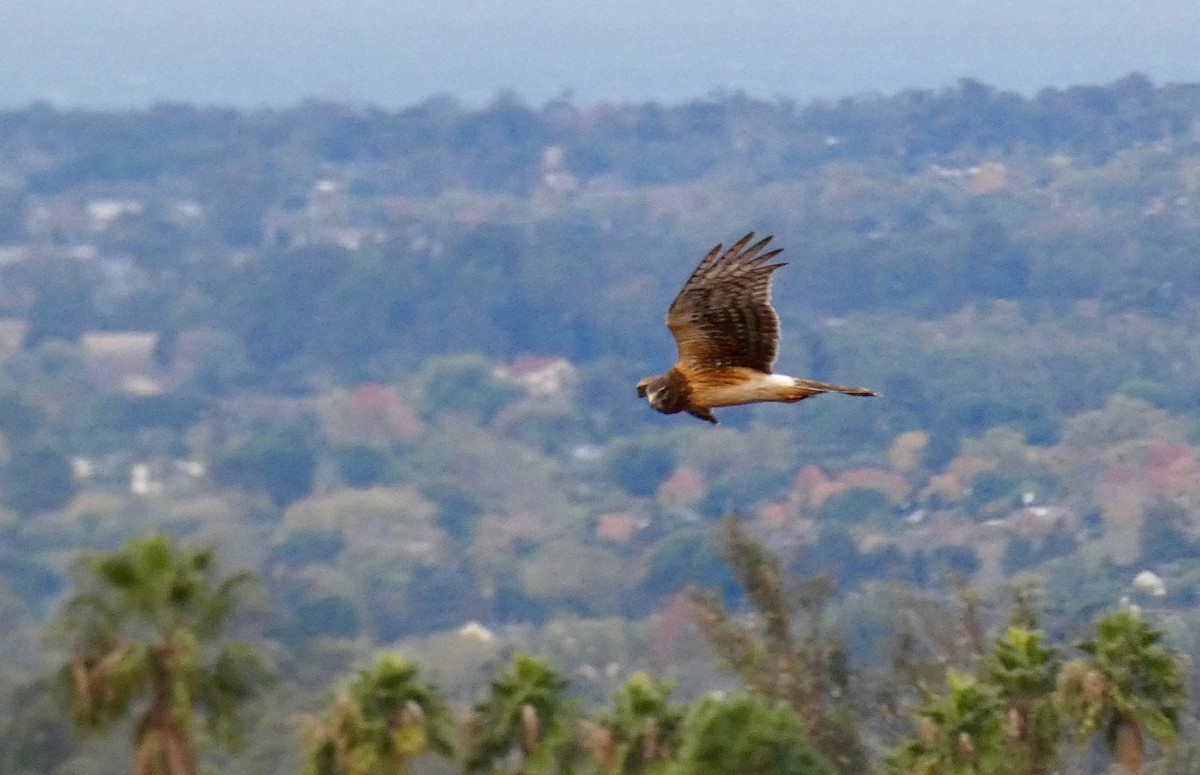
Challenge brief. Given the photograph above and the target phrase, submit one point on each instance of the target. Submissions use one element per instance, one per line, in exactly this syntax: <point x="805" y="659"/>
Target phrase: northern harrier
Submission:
<point x="727" y="334"/>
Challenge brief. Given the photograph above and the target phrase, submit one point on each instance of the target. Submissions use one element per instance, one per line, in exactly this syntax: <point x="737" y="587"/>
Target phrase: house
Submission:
<point x="616" y="527"/>
<point x="539" y="375"/>
<point x="122" y="360"/>
<point x="12" y="335"/>
<point x="103" y="213"/>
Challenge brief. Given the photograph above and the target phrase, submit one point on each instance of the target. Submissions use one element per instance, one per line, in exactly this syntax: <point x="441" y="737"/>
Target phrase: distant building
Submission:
<point x="328" y="217"/>
<point x="82" y="468"/>
<point x="685" y="487"/>
<point x="103" y="213"/>
<point x="617" y="528"/>
<point x="979" y="179"/>
<point x="140" y="481"/>
<point x="543" y="376"/>
<point x="12" y="335"/>
<point x="122" y="360"/>
<point x="1149" y="582"/>
<point x="476" y="631"/>
<point x="557" y="182"/>
<point x="148" y="478"/>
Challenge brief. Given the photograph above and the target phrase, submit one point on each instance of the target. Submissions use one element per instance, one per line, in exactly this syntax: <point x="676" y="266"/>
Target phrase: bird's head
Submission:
<point x="660" y="393"/>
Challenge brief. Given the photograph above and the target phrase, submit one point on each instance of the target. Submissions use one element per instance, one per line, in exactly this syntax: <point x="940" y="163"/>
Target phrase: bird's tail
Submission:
<point x="803" y="388"/>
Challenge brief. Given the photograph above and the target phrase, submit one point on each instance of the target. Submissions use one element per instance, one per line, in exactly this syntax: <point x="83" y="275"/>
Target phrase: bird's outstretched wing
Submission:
<point x="723" y="318"/>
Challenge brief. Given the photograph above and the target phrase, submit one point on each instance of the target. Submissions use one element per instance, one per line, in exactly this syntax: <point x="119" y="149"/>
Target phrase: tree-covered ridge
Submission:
<point x="385" y="359"/>
<point x="270" y="258"/>
<point x="440" y="145"/>
<point x="355" y="378"/>
<point x="397" y="383"/>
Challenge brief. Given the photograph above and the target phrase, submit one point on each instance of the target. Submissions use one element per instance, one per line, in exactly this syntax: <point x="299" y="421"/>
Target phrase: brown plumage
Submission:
<point x="727" y="334"/>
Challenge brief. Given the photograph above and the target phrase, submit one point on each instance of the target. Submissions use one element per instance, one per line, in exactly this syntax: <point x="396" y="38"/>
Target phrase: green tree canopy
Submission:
<point x="743" y="734"/>
<point x="38" y="477"/>
<point x="462" y="384"/>
<point x="281" y="462"/>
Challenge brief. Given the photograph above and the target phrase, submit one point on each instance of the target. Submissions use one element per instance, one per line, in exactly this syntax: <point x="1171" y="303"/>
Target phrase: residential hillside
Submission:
<point x="386" y="362"/>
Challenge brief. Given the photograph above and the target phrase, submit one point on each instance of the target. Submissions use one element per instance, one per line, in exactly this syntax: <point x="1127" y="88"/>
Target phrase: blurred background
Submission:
<point x="319" y="331"/>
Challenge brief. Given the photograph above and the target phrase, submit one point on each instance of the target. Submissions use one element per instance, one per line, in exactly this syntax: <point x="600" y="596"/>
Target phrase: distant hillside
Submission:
<point x="386" y="361"/>
<point x="439" y="145"/>
<point x="358" y="243"/>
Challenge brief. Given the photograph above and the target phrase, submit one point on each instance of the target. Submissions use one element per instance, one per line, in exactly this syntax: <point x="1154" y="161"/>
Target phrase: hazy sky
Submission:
<point x="397" y="52"/>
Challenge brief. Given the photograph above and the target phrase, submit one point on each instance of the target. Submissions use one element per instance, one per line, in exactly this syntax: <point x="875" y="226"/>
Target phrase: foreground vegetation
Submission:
<point x="147" y="631"/>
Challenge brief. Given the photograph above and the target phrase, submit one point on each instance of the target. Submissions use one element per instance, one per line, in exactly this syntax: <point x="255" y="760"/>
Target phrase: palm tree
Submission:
<point x="527" y="715"/>
<point x="1129" y="686"/>
<point x="147" y="631"/>
<point x="379" y="722"/>
<point x="641" y="732"/>
<point x="1022" y="670"/>
<point x="958" y="733"/>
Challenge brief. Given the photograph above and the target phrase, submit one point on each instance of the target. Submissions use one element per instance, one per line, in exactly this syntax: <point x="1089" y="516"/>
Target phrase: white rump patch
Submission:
<point x="781" y="379"/>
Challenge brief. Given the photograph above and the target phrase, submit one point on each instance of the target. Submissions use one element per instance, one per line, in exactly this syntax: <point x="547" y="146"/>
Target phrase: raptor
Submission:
<point x="727" y="335"/>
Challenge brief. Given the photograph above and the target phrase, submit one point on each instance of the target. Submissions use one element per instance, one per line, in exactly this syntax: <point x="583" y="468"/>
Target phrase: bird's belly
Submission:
<point x="745" y="387"/>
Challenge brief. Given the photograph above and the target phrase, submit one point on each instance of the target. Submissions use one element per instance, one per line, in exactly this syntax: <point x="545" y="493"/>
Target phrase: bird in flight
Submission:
<point x="727" y="334"/>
